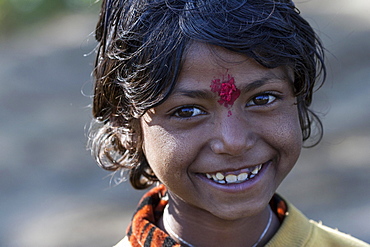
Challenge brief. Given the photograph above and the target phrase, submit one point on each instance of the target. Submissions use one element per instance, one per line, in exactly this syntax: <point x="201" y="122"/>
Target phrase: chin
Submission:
<point x="241" y="210"/>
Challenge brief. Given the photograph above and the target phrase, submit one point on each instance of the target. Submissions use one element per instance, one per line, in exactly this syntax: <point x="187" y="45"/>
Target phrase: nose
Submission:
<point x="232" y="136"/>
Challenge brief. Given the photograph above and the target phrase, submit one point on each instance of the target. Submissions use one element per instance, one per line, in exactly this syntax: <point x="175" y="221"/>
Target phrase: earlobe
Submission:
<point x="295" y="101"/>
<point x="134" y="141"/>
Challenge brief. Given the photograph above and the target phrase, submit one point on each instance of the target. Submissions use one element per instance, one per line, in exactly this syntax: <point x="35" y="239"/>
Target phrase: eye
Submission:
<point x="188" y="111"/>
<point x="263" y="99"/>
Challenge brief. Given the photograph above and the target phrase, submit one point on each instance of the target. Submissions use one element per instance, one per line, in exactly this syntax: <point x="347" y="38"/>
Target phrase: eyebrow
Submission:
<point x="200" y="94"/>
<point x="207" y="94"/>
<point x="259" y="83"/>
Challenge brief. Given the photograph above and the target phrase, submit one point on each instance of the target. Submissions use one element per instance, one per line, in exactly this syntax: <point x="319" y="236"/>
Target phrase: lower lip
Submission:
<point x="237" y="187"/>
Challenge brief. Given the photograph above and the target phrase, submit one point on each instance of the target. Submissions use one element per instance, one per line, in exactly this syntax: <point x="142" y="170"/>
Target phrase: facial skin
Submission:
<point x="192" y="134"/>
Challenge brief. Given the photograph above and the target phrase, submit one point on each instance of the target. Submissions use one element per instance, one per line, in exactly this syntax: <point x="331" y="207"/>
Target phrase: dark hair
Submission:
<point x="141" y="47"/>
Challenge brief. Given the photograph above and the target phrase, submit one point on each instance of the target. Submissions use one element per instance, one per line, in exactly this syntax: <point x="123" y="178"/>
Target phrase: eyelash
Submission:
<point x="188" y="107"/>
<point x="194" y="109"/>
<point x="266" y="94"/>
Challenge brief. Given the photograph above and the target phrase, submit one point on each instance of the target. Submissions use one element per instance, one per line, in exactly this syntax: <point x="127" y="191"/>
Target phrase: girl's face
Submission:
<point x="227" y="135"/>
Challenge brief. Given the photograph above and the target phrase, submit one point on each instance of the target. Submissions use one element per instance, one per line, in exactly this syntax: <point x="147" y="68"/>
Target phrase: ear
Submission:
<point x="131" y="135"/>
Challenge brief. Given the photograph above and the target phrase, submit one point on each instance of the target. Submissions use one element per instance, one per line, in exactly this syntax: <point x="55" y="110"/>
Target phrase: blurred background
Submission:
<point x="53" y="194"/>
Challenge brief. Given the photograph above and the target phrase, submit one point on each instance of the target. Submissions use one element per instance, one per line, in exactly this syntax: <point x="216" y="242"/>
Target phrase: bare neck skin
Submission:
<point x="201" y="229"/>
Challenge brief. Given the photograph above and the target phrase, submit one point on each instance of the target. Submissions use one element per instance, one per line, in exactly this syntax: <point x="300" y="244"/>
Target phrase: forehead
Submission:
<point x="204" y="53"/>
<point x="202" y="59"/>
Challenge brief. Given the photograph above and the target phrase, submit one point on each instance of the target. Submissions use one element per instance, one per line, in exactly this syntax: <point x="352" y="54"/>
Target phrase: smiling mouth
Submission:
<point x="234" y="177"/>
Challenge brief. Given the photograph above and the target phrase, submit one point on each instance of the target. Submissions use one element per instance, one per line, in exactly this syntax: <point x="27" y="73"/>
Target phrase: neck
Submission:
<point x="194" y="230"/>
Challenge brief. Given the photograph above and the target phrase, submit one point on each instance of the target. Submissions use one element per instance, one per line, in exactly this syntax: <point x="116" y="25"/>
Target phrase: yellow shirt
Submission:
<point x="296" y="230"/>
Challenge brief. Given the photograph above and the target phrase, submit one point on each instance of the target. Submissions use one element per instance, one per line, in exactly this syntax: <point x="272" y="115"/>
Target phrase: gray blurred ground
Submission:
<point x="53" y="194"/>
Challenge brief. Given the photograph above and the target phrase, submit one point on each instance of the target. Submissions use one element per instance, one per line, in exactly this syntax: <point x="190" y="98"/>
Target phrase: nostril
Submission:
<point x="232" y="143"/>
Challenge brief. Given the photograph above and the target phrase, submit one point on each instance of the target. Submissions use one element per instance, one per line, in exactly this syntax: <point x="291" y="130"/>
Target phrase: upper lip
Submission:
<point x="231" y="170"/>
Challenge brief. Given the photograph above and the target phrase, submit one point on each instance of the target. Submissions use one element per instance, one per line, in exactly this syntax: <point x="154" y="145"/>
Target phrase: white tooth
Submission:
<point x="231" y="178"/>
<point x="255" y="171"/>
<point x="220" y="176"/>
<point x="208" y="176"/>
<point x="242" y="176"/>
<point x="259" y="167"/>
<point x="252" y="176"/>
<point x="221" y="182"/>
<point x="214" y="177"/>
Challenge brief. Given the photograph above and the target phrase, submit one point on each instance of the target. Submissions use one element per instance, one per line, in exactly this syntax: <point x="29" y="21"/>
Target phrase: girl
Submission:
<point x="209" y="101"/>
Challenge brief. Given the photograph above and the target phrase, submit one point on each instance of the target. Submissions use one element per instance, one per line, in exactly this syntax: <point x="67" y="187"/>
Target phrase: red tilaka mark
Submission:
<point x="227" y="91"/>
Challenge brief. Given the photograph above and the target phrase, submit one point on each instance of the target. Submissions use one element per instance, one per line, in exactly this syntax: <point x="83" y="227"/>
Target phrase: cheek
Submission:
<point x="282" y="131"/>
<point x="289" y="134"/>
<point x="162" y="151"/>
<point x="156" y="143"/>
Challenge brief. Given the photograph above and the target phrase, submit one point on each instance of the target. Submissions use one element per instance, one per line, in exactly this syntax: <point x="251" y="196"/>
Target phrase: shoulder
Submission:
<point x="332" y="237"/>
<point x="297" y="230"/>
<point x="123" y="243"/>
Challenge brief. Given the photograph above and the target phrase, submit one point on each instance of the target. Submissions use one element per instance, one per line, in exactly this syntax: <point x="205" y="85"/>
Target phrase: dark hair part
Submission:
<point x="141" y="47"/>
